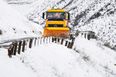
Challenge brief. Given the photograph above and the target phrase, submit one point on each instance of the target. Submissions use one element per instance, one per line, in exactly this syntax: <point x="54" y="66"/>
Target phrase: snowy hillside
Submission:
<point x="94" y="15"/>
<point x="97" y="56"/>
<point x="87" y="58"/>
<point x="32" y="9"/>
<point x="13" y="24"/>
<point x="86" y="15"/>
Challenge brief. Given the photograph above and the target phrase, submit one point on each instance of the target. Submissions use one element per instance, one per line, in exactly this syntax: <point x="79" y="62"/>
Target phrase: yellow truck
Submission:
<point x="56" y="23"/>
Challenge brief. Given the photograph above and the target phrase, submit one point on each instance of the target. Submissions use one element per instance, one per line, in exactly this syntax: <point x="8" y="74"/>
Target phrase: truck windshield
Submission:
<point x="55" y="15"/>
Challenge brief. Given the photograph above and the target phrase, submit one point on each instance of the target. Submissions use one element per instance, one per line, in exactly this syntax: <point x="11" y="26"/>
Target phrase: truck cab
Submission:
<point x="56" y="23"/>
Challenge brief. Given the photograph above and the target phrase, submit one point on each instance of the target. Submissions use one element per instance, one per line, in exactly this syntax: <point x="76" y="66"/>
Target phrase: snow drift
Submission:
<point x="57" y="61"/>
<point x="13" y="24"/>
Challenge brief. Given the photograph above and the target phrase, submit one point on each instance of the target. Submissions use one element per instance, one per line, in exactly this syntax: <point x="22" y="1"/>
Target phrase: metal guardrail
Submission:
<point x="17" y="47"/>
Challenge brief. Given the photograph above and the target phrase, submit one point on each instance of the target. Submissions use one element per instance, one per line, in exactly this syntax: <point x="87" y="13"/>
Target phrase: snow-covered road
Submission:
<point x="91" y="58"/>
<point x="54" y="60"/>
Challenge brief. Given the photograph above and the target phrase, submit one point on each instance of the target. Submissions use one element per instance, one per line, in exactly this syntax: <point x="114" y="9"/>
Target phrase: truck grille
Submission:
<point x="55" y="25"/>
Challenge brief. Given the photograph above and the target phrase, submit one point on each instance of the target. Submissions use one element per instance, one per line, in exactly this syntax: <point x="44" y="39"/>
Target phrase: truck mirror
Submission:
<point x="43" y="15"/>
<point x="68" y="16"/>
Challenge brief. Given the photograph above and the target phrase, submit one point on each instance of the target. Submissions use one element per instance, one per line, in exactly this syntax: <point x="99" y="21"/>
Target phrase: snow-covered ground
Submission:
<point x="94" y="15"/>
<point x="86" y="15"/>
<point x="90" y="58"/>
<point x="14" y="25"/>
<point x="53" y="60"/>
<point x="32" y="9"/>
<point x="13" y="67"/>
<point x="97" y="56"/>
<point x="57" y="61"/>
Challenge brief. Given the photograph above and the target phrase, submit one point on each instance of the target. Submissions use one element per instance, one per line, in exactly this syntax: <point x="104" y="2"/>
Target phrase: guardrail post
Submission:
<point x="23" y="48"/>
<point x="88" y="37"/>
<point x="85" y="35"/>
<point x="62" y="41"/>
<point x="52" y="39"/>
<point x="15" y="48"/>
<point x="38" y="40"/>
<point x="66" y="43"/>
<point x="35" y="42"/>
<point x="30" y="43"/>
<point x="26" y="44"/>
<point x="10" y="51"/>
<point x="19" y="48"/>
<point x="45" y="40"/>
<point x="58" y="40"/>
<point x="55" y="39"/>
<point x="70" y="45"/>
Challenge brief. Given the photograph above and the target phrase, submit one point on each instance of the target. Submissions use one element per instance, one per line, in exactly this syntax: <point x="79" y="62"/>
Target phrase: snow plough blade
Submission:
<point x="56" y="32"/>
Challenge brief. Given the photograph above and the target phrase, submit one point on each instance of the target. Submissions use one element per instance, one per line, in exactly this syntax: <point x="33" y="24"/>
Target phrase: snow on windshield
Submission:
<point x="55" y="15"/>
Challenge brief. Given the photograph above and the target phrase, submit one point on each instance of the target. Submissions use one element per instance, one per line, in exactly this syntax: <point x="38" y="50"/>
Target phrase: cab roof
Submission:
<point x="56" y="10"/>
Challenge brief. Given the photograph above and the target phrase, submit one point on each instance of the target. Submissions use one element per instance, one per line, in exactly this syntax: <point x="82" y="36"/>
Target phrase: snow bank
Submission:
<point x="12" y="67"/>
<point x="101" y="58"/>
<point x="53" y="60"/>
<point x="13" y="24"/>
